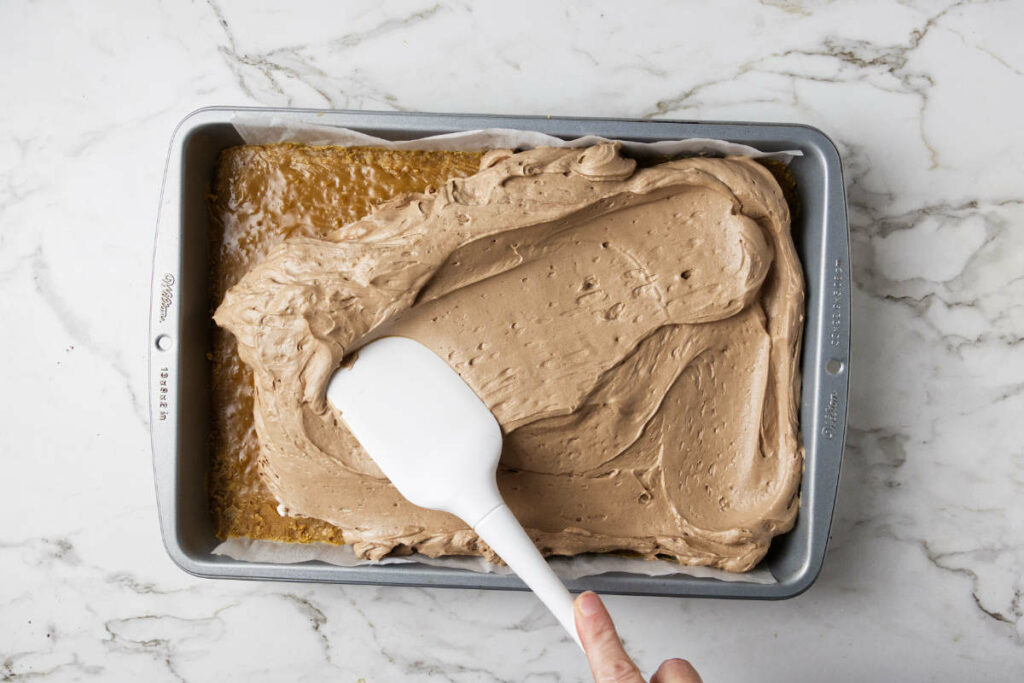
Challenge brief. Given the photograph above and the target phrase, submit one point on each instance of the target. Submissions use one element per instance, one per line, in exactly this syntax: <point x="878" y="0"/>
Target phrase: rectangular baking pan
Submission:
<point x="179" y="340"/>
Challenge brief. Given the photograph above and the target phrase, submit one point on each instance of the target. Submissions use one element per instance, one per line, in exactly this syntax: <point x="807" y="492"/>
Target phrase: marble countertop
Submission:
<point x="923" y="578"/>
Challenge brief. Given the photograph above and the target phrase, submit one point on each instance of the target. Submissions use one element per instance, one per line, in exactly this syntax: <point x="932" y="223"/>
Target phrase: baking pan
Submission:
<point x="179" y="341"/>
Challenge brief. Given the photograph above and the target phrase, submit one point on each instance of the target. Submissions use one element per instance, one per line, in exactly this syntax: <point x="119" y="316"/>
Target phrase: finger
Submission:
<point x="608" y="661"/>
<point x="676" y="671"/>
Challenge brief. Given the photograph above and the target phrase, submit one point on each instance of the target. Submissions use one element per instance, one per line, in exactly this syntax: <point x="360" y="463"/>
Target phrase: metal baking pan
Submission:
<point x="179" y="340"/>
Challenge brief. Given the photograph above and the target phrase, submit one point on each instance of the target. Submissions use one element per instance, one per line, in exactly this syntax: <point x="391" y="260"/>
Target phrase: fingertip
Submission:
<point x="676" y="670"/>
<point x="588" y="604"/>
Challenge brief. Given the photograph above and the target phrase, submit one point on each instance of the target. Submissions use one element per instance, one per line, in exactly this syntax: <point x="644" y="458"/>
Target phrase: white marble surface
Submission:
<point x="925" y="99"/>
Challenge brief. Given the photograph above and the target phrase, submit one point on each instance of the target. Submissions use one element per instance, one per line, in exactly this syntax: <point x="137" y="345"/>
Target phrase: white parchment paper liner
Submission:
<point x="590" y="564"/>
<point x="259" y="130"/>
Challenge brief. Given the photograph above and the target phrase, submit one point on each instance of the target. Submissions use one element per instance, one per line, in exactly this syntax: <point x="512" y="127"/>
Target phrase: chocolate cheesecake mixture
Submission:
<point x="635" y="331"/>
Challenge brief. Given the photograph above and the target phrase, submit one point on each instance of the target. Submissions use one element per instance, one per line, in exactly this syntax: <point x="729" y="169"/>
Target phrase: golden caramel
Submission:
<point x="324" y="188"/>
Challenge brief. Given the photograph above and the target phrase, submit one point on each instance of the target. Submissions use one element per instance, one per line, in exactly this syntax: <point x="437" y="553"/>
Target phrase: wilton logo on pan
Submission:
<point x="166" y="295"/>
<point x="831" y="416"/>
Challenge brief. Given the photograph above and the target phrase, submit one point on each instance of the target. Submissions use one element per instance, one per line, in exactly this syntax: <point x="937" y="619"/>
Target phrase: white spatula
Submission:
<point x="439" y="445"/>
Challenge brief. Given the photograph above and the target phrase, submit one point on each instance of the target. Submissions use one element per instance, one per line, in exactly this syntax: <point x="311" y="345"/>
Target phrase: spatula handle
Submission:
<point x="502" y="532"/>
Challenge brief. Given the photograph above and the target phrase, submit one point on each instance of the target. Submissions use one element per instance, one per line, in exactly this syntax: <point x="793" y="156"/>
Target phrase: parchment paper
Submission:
<point x="262" y="130"/>
<point x="589" y="564"/>
<point x="265" y="131"/>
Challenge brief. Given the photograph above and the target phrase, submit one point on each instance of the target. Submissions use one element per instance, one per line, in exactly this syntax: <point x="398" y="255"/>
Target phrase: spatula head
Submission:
<point x="423" y="425"/>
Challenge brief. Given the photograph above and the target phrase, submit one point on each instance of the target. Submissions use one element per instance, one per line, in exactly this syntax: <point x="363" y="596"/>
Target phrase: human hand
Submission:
<point x="608" y="661"/>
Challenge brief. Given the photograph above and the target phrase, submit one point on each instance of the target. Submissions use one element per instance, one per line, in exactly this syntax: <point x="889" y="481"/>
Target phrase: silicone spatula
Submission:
<point x="439" y="445"/>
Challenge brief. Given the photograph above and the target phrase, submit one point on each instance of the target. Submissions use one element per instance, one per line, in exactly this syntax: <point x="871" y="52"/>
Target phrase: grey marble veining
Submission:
<point x="924" y="99"/>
